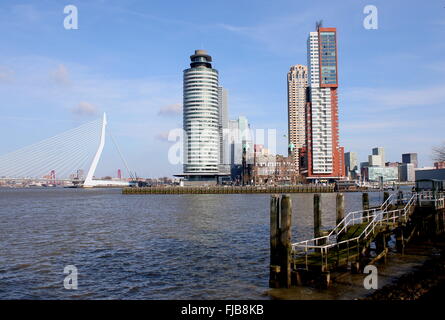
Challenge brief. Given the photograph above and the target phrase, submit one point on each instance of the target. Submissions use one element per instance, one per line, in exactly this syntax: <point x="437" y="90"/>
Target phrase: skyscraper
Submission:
<point x="410" y="158"/>
<point x="224" y="152"/>
<point x="201" y="118"/>
<point x="296" y="102"/>
<point x="325" y="158"/>
<point x="239" y="138"/>
<point x="351" y="164"/>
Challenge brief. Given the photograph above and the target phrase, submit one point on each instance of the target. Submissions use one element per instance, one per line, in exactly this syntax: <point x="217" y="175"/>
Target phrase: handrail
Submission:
<point x="348" y="220"/>
<point x="365" y="232"/>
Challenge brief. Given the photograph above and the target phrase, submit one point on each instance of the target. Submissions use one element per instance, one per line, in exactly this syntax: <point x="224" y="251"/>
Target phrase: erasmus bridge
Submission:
<point x="62" y="159"/>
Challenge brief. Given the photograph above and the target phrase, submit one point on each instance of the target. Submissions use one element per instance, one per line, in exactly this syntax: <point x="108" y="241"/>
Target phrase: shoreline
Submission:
<point x="419" y="273"/>
<point x="425" y="282"/>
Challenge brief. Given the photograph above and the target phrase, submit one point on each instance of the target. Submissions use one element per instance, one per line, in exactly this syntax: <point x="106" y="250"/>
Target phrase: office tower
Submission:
<point x="410" y="158"/>
<point x="351" y="164"/>
<point x="324" y="155"/>
<point x="407" y="172"/>
<point x="378" y="155"/>
<point x="201" y="117"/>
<point x="296" y="103"/>
<point x="239" y="138"/>
<point x="224" y="152"/>
<point x="377" y="158"/>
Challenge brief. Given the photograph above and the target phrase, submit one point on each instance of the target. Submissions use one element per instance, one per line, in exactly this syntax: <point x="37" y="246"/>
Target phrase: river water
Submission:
<point x="144" y="246"/>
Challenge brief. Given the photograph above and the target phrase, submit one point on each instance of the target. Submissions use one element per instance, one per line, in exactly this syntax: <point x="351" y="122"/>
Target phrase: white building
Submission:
<point x="321" y="112"/>
<point x="377" y="159"/>
<point x="201" y="116"/>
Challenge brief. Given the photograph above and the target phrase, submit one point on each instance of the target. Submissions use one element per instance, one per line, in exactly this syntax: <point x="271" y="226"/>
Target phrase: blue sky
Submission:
<point x="127" y="58"/>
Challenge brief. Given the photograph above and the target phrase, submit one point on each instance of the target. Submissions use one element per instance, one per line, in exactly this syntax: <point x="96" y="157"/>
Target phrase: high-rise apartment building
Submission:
<point x="324" y="156"/>
<point x="297" y="81"/>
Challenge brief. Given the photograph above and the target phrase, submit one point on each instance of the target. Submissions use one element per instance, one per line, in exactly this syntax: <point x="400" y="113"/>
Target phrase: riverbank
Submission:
<point x="423" y="283"/>
<point x="419" y="273"/>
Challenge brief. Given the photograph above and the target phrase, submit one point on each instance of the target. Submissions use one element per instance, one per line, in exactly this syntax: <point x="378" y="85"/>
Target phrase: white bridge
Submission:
<point x="62" y="158"/>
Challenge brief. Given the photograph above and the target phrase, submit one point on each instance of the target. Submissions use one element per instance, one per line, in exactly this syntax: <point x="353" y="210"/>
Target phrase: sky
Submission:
<point x="126" y="59"/>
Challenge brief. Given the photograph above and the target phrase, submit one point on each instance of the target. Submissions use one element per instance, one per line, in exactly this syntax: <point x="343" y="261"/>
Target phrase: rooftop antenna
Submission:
<point x="318" y="24"/>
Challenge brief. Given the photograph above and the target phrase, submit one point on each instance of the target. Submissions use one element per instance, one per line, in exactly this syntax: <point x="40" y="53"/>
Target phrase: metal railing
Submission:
<point x="373" y="217"/>
<point x="430" y="198"/>
<point x="352" y="218"/>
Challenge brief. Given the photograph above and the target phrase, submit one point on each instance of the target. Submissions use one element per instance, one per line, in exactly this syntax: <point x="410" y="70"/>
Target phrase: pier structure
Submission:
<point x="360" y="238"/>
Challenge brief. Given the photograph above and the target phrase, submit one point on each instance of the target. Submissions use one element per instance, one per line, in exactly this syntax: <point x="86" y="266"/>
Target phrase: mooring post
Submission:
<point x="385" y="196"/>
<point x="340" y="207"/>
<point x="280" y="241"/>
<point x="400" y="197"/>
<point x="365" y="201"/>
<point x="317" y="215"/>
<point x="400" y="241"/>
<point x="380" y="243"/>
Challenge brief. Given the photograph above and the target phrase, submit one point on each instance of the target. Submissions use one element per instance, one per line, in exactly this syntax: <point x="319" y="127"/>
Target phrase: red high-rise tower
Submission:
<point x="324" y="156"/>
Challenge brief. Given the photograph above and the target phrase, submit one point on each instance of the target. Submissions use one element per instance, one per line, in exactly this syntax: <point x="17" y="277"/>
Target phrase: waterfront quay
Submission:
<point x="307" y="188"/>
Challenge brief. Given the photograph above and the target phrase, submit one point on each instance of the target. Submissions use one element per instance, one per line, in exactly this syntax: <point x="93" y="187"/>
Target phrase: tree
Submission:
<point x="439" y="152"/>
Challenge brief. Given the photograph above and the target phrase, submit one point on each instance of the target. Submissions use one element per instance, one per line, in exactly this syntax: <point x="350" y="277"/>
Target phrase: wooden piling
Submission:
<point x="280" y="241"/>
<point x="340" y="207"/>
<point x="365" y="201"/>
<point x="385" y="196"/>
<point x="399" y="197"/>
<point x="317" y="215"/>
<point x="400" y="242"/>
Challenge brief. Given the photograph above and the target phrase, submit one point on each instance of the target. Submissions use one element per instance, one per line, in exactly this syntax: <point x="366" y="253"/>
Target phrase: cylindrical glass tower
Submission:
<point x="201" y="115"/>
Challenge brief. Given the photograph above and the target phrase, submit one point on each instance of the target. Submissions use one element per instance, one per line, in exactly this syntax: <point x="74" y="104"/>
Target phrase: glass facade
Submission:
<point x="328" y="57"/>
<point x="388" y="173"/>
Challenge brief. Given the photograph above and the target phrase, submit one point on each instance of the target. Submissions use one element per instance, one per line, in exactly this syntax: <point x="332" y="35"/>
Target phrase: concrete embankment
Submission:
<point x="307" y="188"/>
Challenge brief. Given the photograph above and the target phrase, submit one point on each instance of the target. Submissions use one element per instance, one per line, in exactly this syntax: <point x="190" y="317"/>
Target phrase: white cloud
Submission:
<point x="170" y="110"/>
<point x="85" y="109"/>
<point x="61" y="75"/>
<point x="162" y="136"/>
<point x="6" y="74"/>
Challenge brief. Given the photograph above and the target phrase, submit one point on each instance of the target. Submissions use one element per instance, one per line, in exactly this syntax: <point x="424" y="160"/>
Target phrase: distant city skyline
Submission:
<point x="127" y="59"/>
